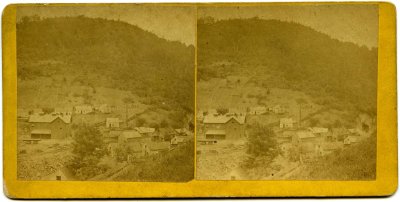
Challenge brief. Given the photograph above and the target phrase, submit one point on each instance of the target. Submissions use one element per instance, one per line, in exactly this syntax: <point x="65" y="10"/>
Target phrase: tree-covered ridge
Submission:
<point x="304" y="58"/>
<point x="107" y="53"/>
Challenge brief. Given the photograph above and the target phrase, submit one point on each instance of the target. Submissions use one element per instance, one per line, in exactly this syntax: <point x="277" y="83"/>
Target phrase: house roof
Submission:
<point x="145" y="130"/>
<point x="215" y="132"/>
<point x="113" y="133"/>
<point x="112" y="120"/>
<point x="286" y="120"/>
<point x="305" y="134"/>
<point x="159" y="146"/>
<point x="130" y="134"/>
<point x="223" y="119"/>
<point x="352" y="139"/>
<point x="318" y="130"/>
<point x="48" y="118"/>
<point x="41" y="131"/>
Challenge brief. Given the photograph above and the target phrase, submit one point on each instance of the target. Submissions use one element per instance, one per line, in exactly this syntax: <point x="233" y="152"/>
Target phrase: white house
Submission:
<point x="257" y="110"/>
<point x="104" y="108"/>
<point x="277" y="109"/>
<point x="286" y="123"/>
<point x="83" y="109"/>
<point x="112" y="122"/>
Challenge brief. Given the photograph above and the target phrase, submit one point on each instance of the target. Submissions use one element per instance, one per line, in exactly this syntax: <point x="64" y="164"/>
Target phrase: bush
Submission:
<point x="140" y="122"/>
<point x="164" y="124"/>
<point x="173" y="166"/>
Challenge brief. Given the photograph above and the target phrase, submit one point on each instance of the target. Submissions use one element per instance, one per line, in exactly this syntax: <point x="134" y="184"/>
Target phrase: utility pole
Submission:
<point x="300" y="115"/>
<point x="126" y="114"/>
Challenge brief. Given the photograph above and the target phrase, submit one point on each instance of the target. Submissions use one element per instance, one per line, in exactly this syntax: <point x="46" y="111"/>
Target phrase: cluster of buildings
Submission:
<point x="307" y="143"/>
<point x="140" y="141"/>
<point x="57" y="123"/>
<point x="144" y="141"/>
<point x="212" y="125"/>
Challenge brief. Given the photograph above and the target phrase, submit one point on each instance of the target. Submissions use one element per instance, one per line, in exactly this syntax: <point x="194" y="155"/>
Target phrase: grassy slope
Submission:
<point x="99" y="52"/>
<point x="291" y="55"/>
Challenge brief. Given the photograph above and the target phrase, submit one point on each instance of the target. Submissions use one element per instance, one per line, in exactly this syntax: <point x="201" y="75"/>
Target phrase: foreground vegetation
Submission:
<point x="356" y="162"/>
<point x="173" y="166"/>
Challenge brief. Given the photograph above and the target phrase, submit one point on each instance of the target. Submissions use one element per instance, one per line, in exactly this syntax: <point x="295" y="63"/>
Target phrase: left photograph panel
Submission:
<point x="105" y="93"/>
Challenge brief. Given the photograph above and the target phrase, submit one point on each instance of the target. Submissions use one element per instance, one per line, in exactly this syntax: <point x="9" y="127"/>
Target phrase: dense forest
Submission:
<point x="293" y="55"/>
<point x="107" y="53"/>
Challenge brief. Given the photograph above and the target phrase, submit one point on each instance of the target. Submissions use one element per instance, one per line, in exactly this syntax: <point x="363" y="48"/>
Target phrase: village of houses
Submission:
<point x="45" y="138"/>
<point x="221" y="140"/>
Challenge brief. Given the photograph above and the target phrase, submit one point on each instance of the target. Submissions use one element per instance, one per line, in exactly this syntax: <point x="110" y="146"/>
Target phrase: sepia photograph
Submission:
<point x="287" y="92"/>
<point x="199" y="100"/>
<point x="106" y="92"/>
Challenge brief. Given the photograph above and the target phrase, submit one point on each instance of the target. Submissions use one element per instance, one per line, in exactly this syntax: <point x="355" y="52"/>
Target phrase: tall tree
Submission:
<point x="88" y="148"/>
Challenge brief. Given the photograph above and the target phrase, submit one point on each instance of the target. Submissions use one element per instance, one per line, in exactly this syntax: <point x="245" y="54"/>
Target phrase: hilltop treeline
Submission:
<point x="290" y="54"/>
<point x="101" y="52"/>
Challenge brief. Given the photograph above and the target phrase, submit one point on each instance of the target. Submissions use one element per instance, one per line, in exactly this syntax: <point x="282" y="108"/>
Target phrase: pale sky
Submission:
<point x="346" y="22"/>
<point x="176" y="23"/>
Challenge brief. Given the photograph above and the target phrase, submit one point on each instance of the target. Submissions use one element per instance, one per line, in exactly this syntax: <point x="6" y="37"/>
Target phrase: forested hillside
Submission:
<point x="106" y="53"/>
<point x="293" y="55"/>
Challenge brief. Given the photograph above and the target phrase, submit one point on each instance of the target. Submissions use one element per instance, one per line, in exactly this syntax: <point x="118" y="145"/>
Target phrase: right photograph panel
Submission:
<point x="286" y="92"/>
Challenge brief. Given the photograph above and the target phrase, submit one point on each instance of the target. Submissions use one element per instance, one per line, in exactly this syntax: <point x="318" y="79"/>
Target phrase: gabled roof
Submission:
<point x="215" y="132"/>
<point x="41" y="131"/>
<point x="223" y="119"/>
<point x="305" y="134"/>
<point x="48" y="118"/>
<point x="130" y="134"/>
<point x="145" y="130"/>
<point x="318" y="130"/>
